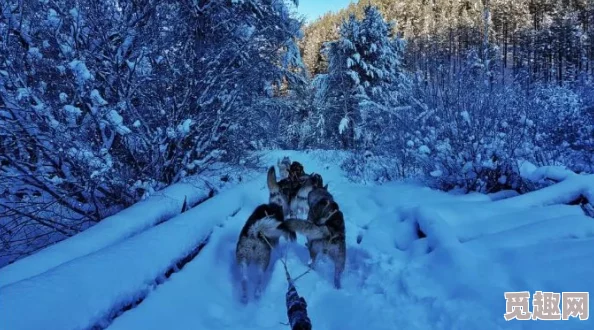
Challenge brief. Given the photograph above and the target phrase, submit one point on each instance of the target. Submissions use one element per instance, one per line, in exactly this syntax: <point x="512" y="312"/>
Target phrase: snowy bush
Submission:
<point x="479" y="131"/>
<point x="97" y="96"/>
<point x="564" y="129"/>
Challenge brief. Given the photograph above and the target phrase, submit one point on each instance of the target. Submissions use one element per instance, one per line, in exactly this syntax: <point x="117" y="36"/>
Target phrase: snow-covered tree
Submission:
<point x="103" y="102"/>
<point x="365" y="82"/>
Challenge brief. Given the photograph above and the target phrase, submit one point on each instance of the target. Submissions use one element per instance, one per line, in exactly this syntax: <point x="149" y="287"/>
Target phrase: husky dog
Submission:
<point x="258" y="237"/>
<point x="324" y="229"/>
<point x="299" y="204"/>
<point x="293" y="190"/>
<point x="284" y="167"/>
<point x="296" y="171"/>
<point x="297" y="177"/>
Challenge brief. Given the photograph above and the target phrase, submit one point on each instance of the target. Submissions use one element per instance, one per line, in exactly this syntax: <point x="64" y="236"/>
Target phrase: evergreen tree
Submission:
<point x="365" y="77"/>
<point x="342" y="84"/>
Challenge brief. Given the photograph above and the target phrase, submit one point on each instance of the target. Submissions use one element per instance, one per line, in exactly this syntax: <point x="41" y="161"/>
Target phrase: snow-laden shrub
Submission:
<point x="97" y="96"/>
<point x="563" y="130"/>
<point x="475" y="138"/>
<point x="366" y="167"/>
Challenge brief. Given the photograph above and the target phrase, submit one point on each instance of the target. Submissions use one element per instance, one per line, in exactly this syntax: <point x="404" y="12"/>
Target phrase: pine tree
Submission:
<point x="365" y="78"/>
<point x="342" y="84"/>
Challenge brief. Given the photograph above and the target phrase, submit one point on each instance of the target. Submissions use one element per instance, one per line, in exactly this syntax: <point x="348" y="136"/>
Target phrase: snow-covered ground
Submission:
<point x="156" y="208"/>
<point x="126" y="223"/>
<point x="476" y="249"/>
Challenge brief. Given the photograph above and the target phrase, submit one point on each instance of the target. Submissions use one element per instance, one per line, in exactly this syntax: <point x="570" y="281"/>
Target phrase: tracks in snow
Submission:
<point x="176" y="267"/>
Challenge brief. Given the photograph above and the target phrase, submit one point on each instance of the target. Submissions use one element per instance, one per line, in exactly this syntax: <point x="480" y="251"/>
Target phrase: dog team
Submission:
<point x="298" y="204"/>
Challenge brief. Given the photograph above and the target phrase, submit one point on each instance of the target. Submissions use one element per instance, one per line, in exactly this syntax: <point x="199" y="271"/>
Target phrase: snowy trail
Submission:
<point x="391" y="282"/>
<point x="454" y="278"/>
<point x="206" y="292"/>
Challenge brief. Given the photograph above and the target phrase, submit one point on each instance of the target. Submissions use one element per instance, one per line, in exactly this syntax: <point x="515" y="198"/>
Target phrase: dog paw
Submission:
<point x="258" y="293"/>
<point x="244" y="299"/>
<point x="337" y="285"/>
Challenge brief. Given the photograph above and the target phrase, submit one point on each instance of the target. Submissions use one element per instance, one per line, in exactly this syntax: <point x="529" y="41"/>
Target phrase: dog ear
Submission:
<point x="318" y="179"/>
<point x="334" y="206"/>
<point x="271" y="180"/>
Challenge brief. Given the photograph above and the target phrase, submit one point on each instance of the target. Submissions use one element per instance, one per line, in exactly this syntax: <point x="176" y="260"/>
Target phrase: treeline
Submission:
<point x="481" y="86"/>
<point x="549" y="41"/>
<point x="104" y="102"/>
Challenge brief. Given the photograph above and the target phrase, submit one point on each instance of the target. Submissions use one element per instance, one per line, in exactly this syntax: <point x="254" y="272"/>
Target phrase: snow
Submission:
<point x="556" y="173"/>
<point x="183" y="129"/>
<point x="343" y="125"/>
<point x="52" y="17"/>
<point x="563" y="192"/>
<point x="465" y="116"/>
<point x="35" y="53"/>
<point x="80" y="70"/>
<point x="97" y="98"/>
<point x="436" y="173"/>
<point x="424" y="150"/>
<point x="125" y="271"/>
<point x="117" y="121"/>
<point x="72" y="110"/>
<point x="476" y="248"/>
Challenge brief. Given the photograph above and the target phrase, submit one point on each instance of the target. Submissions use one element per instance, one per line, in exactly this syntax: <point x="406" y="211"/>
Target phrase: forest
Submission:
<point x="102" y="103"/>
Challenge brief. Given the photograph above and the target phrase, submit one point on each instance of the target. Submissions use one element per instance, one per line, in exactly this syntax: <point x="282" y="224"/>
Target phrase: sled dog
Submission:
<point x="284" y="167"/>
<point x="299" y="204"/>
<point x="286" y="190"/>
<point x="258" y="237"/>
<point x="324" y="229"/>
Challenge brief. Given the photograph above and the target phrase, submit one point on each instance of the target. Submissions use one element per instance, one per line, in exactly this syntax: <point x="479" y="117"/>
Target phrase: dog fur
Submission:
<point x="296" y="171"/>
<point x="284" y="167"/>
<point x="288" y="189"/>
<point x="297" y="178"/>
<point x="290" y="185"/>
<point x="277" y="193"/>
<point x="299" y="204"/>
<point x="258" y="237"/>
<point x="324" y="229"/>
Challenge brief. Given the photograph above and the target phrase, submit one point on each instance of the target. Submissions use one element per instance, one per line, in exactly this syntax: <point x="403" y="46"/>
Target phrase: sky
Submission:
<point x="313" y="9"/>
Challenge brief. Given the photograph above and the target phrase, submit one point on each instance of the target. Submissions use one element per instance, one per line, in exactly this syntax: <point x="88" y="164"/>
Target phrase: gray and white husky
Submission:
<point x="260" y="235"/>
<point x="324" y="229"/>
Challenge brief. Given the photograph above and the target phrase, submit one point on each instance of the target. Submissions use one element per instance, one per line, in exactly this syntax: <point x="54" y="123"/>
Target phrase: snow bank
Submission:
<point x="563" y="192"/>
<point x="157" y="208"/>
<point x="554" y="229"/>
<point x="87" y="291"/>
<point x="534" y="173"/>
<point x="487" y="225"/>
<point x="475" y="249"/>
<point x="439" y="233"/>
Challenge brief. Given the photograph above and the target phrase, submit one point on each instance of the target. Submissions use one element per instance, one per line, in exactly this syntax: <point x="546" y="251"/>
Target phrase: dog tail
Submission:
<point x="306" y="228"/>
<point x="271" y="180"/>
<point x="271" y="227"/>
